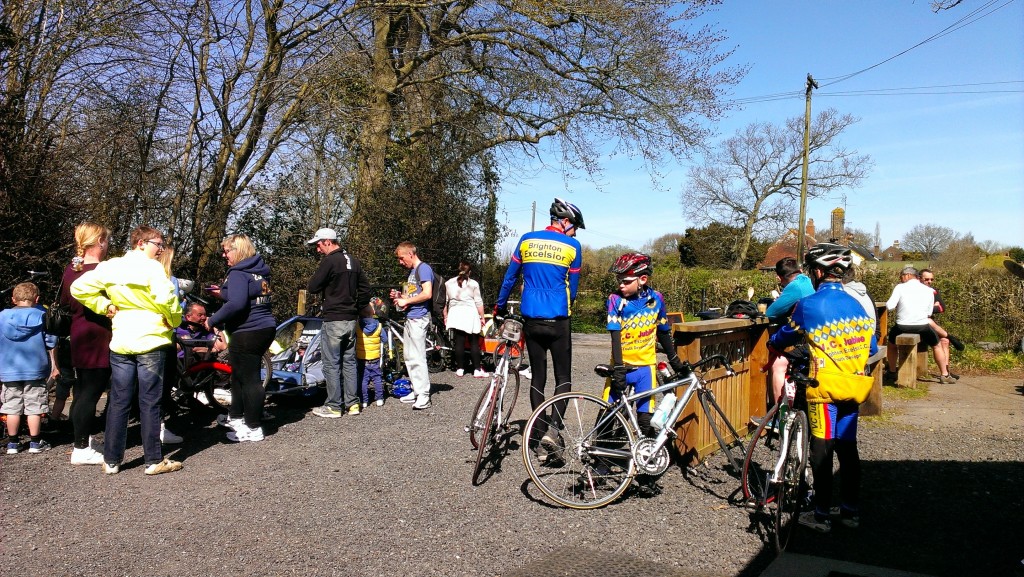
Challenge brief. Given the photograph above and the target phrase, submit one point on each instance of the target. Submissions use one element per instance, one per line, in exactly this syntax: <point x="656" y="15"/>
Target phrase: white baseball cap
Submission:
<point x="323" y="234"/>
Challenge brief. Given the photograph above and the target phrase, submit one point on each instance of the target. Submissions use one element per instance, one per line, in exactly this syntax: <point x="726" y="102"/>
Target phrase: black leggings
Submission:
<point x="88" y="388"/>
<point x="460" y="349"/>
<point x="246" y="355"/>
<point x="849" y="470"/>
<point x="555" y="336"/>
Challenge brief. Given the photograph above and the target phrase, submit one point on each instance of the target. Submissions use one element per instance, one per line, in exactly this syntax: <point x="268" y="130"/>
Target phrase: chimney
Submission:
<point x="896" y="244"/>
<point x="810" y="228"/>
<point x="878" y="250"/>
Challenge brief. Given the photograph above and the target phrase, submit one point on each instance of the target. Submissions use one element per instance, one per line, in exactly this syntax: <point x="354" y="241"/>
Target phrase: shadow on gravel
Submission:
<point x="940" y="518"/>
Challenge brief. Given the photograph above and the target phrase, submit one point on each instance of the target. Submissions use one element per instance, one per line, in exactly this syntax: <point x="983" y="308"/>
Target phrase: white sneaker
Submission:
<point x="480" y="374"/>
<point x="459" y="373"/>
<point x="380" y="402"/>
<point x="111" y="468"/>
<point x="244" y="434"/>
<point x="526" y="372"/>
<point x="422" y="402"/>
<point x="410" y="398"/>
<point x="168" y="437"/>
<point x="86" y="456"/>
<point x="224" y="420"/>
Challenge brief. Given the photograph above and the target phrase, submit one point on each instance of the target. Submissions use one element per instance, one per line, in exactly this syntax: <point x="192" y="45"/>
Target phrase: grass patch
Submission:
<point x="982" y="361"/>
<point x="905" y="394"/>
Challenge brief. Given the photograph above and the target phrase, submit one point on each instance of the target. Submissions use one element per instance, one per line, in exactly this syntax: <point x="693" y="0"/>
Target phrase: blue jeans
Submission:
<point x="338" y="349"/>
<point x="143" y="372"/>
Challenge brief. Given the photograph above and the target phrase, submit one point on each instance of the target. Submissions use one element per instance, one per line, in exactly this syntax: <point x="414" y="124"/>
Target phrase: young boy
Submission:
<point x="637" y="322"/>
<point x="26" y="362"/>
<point x="368" y="353"/>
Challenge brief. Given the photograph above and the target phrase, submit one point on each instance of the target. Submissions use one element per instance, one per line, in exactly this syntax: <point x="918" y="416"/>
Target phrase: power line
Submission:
<point x="971" y="17"/>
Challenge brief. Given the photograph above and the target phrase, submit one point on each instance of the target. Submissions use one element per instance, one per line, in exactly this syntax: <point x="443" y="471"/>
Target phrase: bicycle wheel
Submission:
<point x="476" y="418"/>
<point x="508" y="402"/>
<point x="787" y="492"/>
<point x="734" y="448"/>
<point x="214" y="380"/>
<point x="486" y="435"/>
<point x="266" y="371"/>
<point x="515" y="357"/>
<point x="595" y="466"/>
<point x="762" y="454"/>
<point x="437" y="350"/>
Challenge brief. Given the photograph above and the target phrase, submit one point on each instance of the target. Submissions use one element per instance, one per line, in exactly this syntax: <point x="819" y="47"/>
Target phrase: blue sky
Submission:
<point x="950" y="159"/>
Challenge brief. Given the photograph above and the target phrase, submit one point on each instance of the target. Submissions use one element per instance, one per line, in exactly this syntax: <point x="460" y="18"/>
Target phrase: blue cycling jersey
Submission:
<point x="550" y="263"/>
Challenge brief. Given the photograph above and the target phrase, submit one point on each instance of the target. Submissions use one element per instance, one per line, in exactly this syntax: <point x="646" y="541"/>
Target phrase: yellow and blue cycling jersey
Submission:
<point x="550" y="263"/>
<point x="841" y="338"/>
<point x="637" y="319"/>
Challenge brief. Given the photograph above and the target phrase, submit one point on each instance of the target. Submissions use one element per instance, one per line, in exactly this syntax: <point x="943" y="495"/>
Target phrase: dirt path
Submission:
<point x="980" y="403"/>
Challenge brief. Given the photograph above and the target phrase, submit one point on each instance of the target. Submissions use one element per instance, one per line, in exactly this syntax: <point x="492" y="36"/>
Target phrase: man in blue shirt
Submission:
<point x="795" y="286"/>
<point x="549" y="261"/>
<point x="416" y="299"/>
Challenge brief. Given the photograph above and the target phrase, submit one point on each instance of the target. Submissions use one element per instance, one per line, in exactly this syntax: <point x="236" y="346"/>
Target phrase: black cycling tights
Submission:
<point x="543" y="336"/>
<point x="849" y="471"/>
<point x="246" y="355"/>
<point x="88" y="388"/>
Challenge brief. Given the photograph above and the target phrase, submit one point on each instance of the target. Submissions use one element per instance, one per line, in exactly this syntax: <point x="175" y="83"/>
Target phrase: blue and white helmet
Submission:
<point x="401" y="387"/>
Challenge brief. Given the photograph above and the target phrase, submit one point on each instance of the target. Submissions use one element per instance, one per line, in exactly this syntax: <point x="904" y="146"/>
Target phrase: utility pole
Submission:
<point x="533" y="217"/>
<point x="811" y="84"/>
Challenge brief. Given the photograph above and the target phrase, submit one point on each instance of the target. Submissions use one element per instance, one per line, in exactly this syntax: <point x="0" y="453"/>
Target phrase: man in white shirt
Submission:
<point x="913" y="304"/>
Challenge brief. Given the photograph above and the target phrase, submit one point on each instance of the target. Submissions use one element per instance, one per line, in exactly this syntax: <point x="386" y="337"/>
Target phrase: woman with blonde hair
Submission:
<point x="90" y="345"/>
<point x="247" y="317"/>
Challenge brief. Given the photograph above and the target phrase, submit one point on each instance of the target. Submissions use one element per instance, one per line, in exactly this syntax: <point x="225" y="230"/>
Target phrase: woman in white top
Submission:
<point x="464" y="316"/>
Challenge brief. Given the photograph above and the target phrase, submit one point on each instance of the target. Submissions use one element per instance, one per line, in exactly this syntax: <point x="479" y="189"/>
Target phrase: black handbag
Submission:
<point x="58" y="317"/>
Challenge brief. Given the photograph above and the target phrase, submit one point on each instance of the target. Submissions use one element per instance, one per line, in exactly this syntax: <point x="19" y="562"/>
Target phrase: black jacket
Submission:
<point x="343" y="283"/>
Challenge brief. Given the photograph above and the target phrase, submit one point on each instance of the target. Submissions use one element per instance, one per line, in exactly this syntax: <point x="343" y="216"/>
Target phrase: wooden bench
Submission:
<point x="909" y="359"/>
<point x="873" y="404"/>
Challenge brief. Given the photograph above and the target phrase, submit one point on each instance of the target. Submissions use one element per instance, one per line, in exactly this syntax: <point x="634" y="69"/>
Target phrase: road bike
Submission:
<point x="600" y="448"/>
<point x="775" y="464"/>
<point x="488" y="424"/>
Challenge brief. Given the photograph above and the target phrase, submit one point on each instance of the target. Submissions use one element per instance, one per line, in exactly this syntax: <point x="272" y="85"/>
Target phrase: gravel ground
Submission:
<point x="388" y="493"/>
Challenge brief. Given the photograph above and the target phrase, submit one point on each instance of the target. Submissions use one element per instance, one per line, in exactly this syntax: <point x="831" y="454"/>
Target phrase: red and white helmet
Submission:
<point x="632" y="264"/>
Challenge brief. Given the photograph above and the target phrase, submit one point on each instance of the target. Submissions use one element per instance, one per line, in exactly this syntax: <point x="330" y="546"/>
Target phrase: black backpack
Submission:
<point x="741" y="309"/>
<point x="438" y="291"/>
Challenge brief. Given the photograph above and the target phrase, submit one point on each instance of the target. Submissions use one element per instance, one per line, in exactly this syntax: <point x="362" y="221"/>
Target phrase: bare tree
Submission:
<point x="929" y="239"/>
<point x="752" y="179"/>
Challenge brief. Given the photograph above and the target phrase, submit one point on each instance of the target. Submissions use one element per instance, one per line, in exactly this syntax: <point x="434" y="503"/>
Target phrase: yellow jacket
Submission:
<point x="147" y="307"/>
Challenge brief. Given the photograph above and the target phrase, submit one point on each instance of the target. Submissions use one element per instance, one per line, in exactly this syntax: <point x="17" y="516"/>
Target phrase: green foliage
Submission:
<point x="1017" y="253"/>
<point x="975" y="359"/>
<point x="717" y="246"/>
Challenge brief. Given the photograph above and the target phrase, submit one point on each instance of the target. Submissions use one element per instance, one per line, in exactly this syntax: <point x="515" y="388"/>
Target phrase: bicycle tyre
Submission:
<point x="475" y="421"/>
<point x="486" y="433"/>
<point x="266" y="371"/>
<point x="515" y="360"/>
<point x="209" y="378"/>
<point x="581" y="478"/>
<point x="761" y="455"/>
<point x="735" y="462"/>
<point x="787" y="492"/>
<point x="437" y="350"/>
<point x="511" y="394"/>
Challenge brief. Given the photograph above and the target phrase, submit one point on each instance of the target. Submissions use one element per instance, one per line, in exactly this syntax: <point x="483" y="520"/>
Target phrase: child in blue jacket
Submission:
<point x="26" y="362"/>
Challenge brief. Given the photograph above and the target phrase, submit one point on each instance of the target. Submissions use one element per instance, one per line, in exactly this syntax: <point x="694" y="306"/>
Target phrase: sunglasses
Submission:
<point x="627" y="279"/>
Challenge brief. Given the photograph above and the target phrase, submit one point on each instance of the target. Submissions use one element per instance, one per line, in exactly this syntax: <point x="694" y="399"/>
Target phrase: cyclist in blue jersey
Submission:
<point x="841" y="338"/>
<point x="549" y="261"/>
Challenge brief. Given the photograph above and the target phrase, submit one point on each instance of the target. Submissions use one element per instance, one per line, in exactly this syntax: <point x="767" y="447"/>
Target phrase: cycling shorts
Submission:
<point x="928" y="336"/>
<point x="642" y="379"/>
<point x="833" y="420"/>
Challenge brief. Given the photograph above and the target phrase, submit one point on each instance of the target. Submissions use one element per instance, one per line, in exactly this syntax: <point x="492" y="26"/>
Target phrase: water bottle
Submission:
<point x="660" y="417"/>
<point x="664" y="372"/>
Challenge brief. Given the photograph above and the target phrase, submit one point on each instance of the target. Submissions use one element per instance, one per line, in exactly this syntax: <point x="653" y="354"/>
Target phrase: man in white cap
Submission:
<point x="346" y="291"/>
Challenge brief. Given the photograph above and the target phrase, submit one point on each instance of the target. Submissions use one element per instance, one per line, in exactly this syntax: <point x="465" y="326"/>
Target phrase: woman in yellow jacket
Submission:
<point x="140" y="300"/>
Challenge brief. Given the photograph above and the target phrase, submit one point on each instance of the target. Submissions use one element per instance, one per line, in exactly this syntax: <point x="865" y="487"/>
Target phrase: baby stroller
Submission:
<point x="297" y="368"/>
